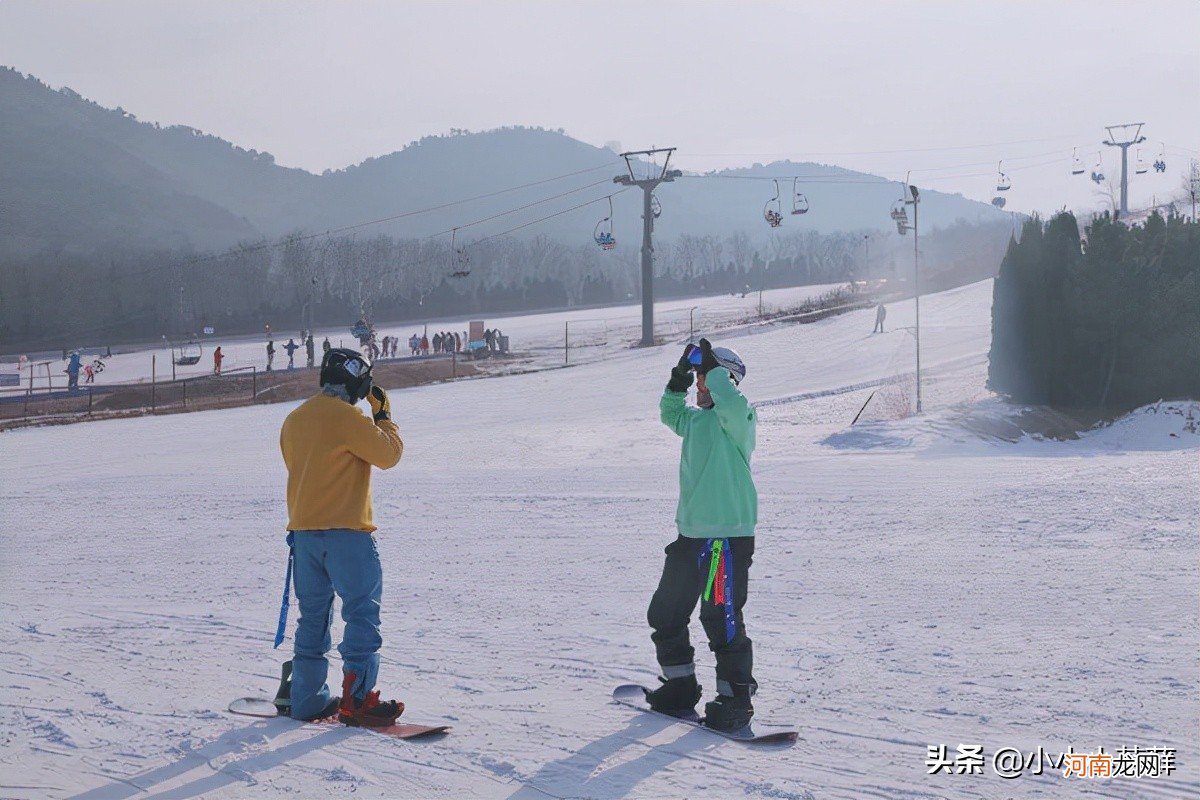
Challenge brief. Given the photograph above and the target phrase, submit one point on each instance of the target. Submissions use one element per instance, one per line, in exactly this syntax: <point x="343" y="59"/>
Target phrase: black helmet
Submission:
<point x="342" y="366"/>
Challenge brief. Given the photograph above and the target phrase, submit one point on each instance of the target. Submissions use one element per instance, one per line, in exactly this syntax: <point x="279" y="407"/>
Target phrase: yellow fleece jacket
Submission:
<point x="329" y="447"/>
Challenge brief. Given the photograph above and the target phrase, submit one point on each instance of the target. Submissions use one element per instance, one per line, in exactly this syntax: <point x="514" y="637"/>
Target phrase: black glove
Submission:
<point x="380" y="405"/>
<point x="681" y="375"/>
<point x="707" y="360"/>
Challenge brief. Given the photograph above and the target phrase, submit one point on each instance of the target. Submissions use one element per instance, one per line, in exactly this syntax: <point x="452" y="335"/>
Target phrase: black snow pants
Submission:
<point x="680" y="588"/>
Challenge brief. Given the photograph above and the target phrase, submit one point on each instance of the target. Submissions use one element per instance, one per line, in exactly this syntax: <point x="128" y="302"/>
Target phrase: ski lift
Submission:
<point x="1077" y="167"/>
<point x="799" y="201"/>
<point x="772" y="211"/>
<point x="1140" y="166"/>
<point x="655" y="206"/>
<point x="459" y="261"/>
<point x="1003" y="184"/>
<point x="899" y="215"/>
<point x="189" y="354"/>
<point x="603" y="232"/>
<point x="1160" y="163"/>
<point x="999" y="202"/>
<point x="1098" y="170"/>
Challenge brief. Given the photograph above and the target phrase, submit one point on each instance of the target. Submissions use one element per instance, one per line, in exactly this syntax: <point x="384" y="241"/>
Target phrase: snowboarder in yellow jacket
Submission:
<point x="329" y="447"/>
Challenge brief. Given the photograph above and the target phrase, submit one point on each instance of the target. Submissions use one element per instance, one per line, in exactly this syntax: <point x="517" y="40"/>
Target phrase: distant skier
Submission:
<point x="73" y="370"/>
<point x="880" y="316"/>
<point x="270" y="354"/>
<point x="310" y="350"/>
<point x="710" y="559"/>
<point x="329" y="447"/>
<point x="325" y="348"/>
<point x="291" y="347"/>
<point x="218" y="357"/>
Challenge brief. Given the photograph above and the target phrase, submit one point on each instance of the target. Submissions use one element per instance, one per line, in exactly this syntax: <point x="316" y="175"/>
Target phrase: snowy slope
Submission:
<point x="539" y="334"/>
<point x="937" y="590"/>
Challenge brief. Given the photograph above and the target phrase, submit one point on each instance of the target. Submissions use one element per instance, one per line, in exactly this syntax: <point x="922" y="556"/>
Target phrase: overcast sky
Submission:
<point x="879" y="86"/>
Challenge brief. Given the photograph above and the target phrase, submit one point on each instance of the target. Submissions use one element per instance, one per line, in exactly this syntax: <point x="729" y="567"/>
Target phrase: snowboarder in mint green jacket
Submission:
<point x="709" y="561"/>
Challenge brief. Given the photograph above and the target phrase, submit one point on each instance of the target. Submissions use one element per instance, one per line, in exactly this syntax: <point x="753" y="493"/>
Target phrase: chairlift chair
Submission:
<point x="459" y="260"/>
<point x="1077" y="167"/>
<point x="773" y="210"/>
<point x="999" y="202"/>
<point x="603" y="232"/>
<point x="1140" y="167"/>
<point x="1003" y="184"/>
<point x="1098" y="170"/>
<point x="655" y="206"/>
<point x="799" y="201"/>
<point x="189" y="354"/>
<point x="1160" y="163"/>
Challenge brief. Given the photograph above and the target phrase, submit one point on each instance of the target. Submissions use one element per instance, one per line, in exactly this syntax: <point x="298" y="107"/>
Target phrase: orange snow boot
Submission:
<point x="370" y="712"/>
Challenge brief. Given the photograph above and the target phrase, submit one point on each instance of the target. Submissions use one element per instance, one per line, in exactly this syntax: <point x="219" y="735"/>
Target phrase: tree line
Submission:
<point x="70" y="300"/>
<point x="1102" y="323"/>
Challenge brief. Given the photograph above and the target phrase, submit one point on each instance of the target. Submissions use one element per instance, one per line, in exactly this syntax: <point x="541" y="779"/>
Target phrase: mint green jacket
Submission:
<point x="717" y="498"/>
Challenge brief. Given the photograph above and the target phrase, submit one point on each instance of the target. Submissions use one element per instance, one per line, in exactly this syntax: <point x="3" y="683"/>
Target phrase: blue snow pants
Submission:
<point x="344" y="562"/>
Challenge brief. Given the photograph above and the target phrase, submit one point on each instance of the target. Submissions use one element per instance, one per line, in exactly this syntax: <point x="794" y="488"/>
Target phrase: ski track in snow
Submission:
<point x="913" y="585"/>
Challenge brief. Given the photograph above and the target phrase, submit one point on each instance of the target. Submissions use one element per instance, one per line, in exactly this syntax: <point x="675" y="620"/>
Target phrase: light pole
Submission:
<point x="900" y="216"/>
<point x="691" y="326"/>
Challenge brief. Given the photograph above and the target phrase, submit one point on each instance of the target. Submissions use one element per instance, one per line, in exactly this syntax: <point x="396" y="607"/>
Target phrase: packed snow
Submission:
<point x="590" y="334"/>
<point x="915" y="583"/>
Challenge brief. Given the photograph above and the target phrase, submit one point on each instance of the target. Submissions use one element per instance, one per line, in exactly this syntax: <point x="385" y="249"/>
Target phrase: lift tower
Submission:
<point x="648" y="185"/>
<point x="1125" y="142"/>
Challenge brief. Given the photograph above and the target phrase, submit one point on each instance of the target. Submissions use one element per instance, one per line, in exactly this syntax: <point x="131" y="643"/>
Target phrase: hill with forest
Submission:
<point x="80" y="179"/>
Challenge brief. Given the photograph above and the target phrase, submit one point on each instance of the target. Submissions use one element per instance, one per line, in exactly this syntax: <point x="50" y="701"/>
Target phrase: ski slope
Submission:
<point x="591" y="333"/>
<point x="913" y="585"/>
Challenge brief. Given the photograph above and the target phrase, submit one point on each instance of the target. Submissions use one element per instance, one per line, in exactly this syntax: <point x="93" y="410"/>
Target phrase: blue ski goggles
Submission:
<point x="694" y="354"/>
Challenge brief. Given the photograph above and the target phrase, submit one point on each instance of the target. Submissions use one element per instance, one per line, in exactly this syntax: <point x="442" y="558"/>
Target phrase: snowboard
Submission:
<point x="262" y="707"/>
<point x="634" y="696"/>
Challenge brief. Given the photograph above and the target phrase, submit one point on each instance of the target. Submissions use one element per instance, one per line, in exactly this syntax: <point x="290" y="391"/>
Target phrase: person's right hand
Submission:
<point x="381" y="407"/>
<point x="681" y="374"/>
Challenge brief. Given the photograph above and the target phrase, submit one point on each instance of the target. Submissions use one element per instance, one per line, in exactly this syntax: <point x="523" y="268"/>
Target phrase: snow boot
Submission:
<point x="370" y="712"/>
<point x="283" y="697"/>
<point x="731" y="712"/>
<point x="676" y="696"/>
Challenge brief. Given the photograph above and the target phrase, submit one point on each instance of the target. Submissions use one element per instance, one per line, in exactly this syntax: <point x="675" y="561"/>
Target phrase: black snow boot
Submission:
<point x="676" y="696"/>
<point x="283" y="697"/>
<point x="731" y="713"/>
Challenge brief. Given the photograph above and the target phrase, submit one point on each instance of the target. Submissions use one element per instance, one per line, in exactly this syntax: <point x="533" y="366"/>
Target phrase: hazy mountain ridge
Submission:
<point x="83" y="178"/>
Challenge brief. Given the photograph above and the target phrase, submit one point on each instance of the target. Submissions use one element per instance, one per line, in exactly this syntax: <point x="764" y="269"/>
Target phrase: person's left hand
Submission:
<point x="381" y="407"/>
<point x="707" y="359"/>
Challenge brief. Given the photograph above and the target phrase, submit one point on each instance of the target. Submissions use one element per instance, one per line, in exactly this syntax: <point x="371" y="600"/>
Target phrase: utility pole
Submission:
<point x="647" y="186"/>
<point x="900" y="216"/>
<point x="866" y="256"/>
<point x="1125" y="142"/>
<point x="1193" y="184"/>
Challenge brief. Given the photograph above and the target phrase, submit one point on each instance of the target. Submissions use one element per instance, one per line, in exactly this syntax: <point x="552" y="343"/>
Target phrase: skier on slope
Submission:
<point x="710" y="560"/>
<point x="329" y="447"/>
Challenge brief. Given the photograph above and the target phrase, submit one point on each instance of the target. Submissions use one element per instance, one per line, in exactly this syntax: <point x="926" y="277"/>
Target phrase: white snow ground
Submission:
<point x="913" y="585"/>
<point x="591" y="333"/>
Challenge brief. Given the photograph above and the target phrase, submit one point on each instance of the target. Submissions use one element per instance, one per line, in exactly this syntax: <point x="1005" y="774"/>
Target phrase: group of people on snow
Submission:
<point x="291" y="347"/>
<point x="75" y="365"/>
<point x="329" y="447"/>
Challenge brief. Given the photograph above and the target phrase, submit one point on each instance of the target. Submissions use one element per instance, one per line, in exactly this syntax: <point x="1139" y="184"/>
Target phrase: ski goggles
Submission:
<point x="357" y="367"/>
<point x="694" y="354"/>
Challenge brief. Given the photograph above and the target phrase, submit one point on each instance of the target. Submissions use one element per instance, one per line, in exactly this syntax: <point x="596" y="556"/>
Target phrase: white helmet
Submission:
<point x="730" y="360"/>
